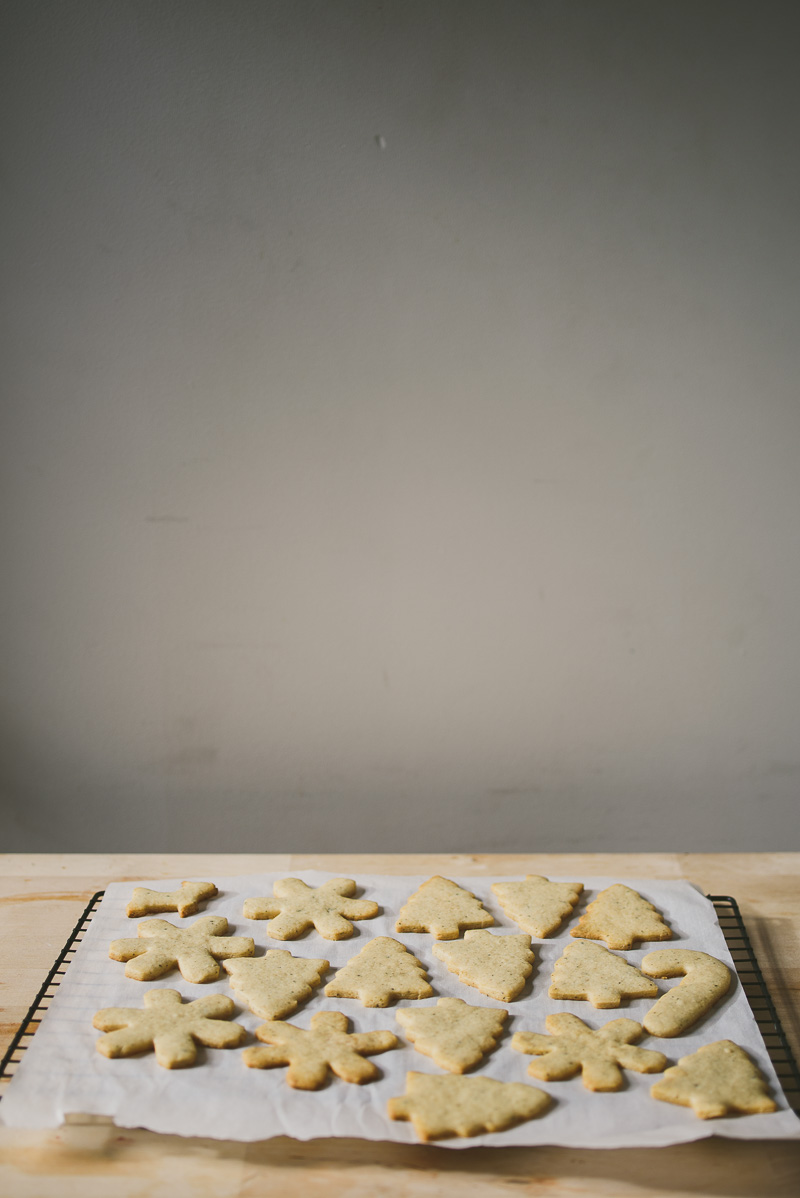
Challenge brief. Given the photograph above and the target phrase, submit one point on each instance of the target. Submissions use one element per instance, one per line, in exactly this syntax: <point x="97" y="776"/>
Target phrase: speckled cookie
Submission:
<point x="705" y="981"/>
<point x="498" y="966"/>
<point x="384" y="970"/>
<point x="169" y="1027"/>
<point x="537" y="905"/>
<point x="719" y="1079"/>
<point x="195" y="950"/>
<point x="296" y="907"/>
<point x="440" y="1105"/>
<point x="600" y="1054"/>
<point x="620" y="916"/>
<point x="273" y="986"/>
<point x="454" y="1034"/>
<point x="442" y="908"/>
<point x="185" y="900"/>
<point x="587" y="971"/>
<point x="326" y="1047"/>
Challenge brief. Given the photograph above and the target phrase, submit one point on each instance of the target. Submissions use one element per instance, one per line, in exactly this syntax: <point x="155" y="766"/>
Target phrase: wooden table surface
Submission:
<point x="43" y="896"/>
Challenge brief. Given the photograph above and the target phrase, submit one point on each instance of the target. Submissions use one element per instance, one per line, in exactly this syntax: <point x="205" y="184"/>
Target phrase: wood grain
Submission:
<point x="42" y="896"/>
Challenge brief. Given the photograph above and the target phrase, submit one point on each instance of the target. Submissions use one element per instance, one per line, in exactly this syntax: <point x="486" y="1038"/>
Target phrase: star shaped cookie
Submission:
<point x="599" y="1054"/>
<point x="311" y="1055"/>
<point x="196" y="950"/>
<point x="296" y="907"/>
<point x="169" y="1027"/>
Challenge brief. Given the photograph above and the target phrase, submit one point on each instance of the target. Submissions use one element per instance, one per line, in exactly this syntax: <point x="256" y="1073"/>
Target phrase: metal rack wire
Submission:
<point x="730" y="921"/>
<point x="27" y="1029"/>
<point x="754" y="986"/>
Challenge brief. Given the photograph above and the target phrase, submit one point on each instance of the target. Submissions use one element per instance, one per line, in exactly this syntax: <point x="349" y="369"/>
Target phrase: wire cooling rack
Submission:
<point x="754" y="986"/>
<point x="27" y="1029"/>
<point x="730" y="922"/>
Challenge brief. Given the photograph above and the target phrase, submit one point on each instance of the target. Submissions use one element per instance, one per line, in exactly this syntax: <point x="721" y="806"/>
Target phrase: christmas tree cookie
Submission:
<point x="620" y="916"/>
<point x="296" y="907"/>
<point x="536" y="904"/>
<point x="498" y="966"/>
<point x="600" y="1054"/>
<point x="382" y="971"/>
<point x="311" y="1055"/>
<point x="453" y="1033"/>
<point x="440" y="1106"/>
<point x="160" y="946"/>
<point x="442" y="908"/>
<point x="591" y="972"/>
<point x="719" y="1079"/>
<point x="169" y="1027"/>
<point x="705" y="981"/>
<point x="273" y="986"/>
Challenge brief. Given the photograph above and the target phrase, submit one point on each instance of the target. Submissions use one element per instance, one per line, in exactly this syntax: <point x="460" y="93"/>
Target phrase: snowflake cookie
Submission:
<point x="311" y="1055"/>
<point x="296" y="907"/>
<point x="600" y="1054"/>
<point x="169" y="1027"/>
<point x="196" y="950"/>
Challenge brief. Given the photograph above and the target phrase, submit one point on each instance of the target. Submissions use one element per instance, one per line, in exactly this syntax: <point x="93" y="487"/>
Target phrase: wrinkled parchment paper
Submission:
<point x="62" y="1073"/>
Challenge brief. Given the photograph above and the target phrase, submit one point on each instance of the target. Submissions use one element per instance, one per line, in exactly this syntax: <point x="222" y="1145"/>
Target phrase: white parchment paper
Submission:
<point x="62" y="1073"/>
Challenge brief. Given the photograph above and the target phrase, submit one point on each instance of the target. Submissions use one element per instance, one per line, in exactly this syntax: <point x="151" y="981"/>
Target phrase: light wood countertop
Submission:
<point x="42" y="897"/>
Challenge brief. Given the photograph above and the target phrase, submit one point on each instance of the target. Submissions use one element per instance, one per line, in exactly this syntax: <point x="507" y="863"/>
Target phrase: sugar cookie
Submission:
<point x="382" y="971"/>
<point x="273" y="986"/>
<point x="719" y="1079"/>
<point x="705" y="981"/>
<point x="620" y="916"/>
<point x="297" y="907"/>
<point x="498" y="966"/>
<point x="169" y="1027"/>
<point x="442" y="908"/>
<point x="196" y="949"/>
<point x="537" y="905"/>
<point x="453" y="1033"/>
<point x="185" y="900"/>
<point x="588" y="971"/>
<point x="439" y="1105"/>
<point x="600" y="1054"/>
<point x="310" y="1055"/>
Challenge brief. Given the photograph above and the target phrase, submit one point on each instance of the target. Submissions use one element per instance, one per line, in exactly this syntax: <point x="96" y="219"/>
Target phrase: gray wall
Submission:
<point x="400" y="425"/>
